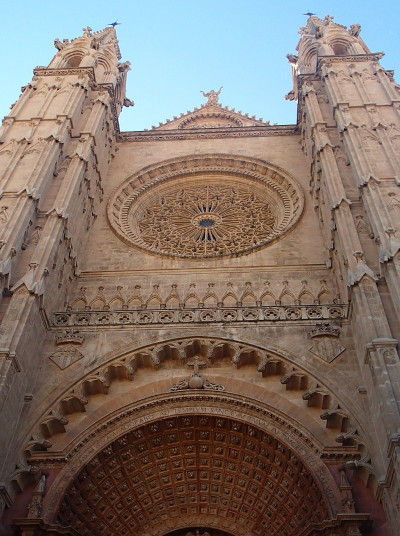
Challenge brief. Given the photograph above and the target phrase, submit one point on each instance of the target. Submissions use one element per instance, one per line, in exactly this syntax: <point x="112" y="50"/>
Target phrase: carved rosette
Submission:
<point x="205" y="206"/>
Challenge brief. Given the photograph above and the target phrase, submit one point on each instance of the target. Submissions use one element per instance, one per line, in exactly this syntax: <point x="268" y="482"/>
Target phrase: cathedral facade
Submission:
<point x="200" y="322"/>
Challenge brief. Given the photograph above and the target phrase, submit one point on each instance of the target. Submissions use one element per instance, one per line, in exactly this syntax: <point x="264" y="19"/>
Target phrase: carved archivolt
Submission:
<point x="208" y="352"/>
<point x="164" y="415"/>
<point x="205" y="206"/>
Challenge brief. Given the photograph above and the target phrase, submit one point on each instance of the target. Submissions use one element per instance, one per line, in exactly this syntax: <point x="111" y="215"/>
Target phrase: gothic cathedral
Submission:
<point x="200" y="322"/>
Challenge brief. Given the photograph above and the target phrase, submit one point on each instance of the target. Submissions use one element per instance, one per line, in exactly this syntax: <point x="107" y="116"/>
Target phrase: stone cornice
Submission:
<point x="209" y="133"/>
<point x="323" y="60"/>
<point x="51" y="71"/>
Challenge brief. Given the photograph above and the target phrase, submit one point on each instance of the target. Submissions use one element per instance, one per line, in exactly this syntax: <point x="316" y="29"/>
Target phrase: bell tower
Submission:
<point x="56" y="145"/>
<point x="349" y="119"/>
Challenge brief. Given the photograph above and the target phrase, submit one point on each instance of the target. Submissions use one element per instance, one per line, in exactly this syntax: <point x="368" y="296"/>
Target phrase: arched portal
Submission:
<point x="190" y="461"/>
<point x="193" y="471"/>
<point x="164" y="451"/>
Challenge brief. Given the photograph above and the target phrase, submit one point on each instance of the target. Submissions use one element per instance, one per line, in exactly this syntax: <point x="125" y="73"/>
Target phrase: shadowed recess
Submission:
<point x="180" y="472"/>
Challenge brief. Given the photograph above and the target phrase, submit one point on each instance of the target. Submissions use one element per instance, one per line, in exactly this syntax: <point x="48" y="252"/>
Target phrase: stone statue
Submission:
<point x="355" y="30"/>
<point x="212" y="96"/>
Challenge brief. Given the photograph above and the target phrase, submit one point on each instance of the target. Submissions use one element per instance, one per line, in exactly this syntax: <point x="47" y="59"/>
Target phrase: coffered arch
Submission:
<point x="213" y="426"/>
<point x="318" y="432"/>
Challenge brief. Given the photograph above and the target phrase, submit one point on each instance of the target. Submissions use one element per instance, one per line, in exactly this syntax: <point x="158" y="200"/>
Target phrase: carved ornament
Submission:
<point x="196" y="380"/>
<point x="205" y="206"/>
<point x="324" y="345"/>
<point x="324" y="329"/>
<point x="207" y="133"/>
<point x="211" y="115"/>
<point x="193" y="464"/>
<point x="69" y="336"/>
<point x="270" y="314"/>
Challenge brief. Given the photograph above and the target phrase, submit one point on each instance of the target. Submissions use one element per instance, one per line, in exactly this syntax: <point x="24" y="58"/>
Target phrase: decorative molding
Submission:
<point x="140" y="317"/>
<point x="325" y="60"/>
<point x="51" y="71"/>
<point x="209" y="133"/>
<point x="324" y="329"/>
<point x="262" y="292"/>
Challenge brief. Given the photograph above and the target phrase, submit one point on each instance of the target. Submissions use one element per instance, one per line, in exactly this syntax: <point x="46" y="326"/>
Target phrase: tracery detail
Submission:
<point x="206" y="220"/>
<point x="205" y="206"/>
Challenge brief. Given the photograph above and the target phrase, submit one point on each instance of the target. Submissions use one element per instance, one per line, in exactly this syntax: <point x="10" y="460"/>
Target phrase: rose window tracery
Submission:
<point x="205" y="207"/>
<point x="204" y="220"/>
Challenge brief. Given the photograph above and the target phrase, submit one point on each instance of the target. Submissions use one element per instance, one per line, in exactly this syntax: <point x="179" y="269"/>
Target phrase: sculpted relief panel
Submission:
<point x="205" y="206"/>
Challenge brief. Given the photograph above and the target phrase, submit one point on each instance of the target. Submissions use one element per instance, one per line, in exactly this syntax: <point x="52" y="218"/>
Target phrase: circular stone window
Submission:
<point x="205" y="206"/>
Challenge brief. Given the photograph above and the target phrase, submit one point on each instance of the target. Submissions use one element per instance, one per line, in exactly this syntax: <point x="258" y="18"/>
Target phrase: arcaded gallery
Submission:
<point x="200" y="322"/>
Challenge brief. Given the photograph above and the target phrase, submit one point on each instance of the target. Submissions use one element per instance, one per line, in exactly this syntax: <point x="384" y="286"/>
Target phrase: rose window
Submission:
<point x="204" y="212"/>
<point x="203" y="220"/>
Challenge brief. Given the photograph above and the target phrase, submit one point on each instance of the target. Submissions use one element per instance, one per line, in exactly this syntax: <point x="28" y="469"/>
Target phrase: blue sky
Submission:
<point x="179" y="47"/>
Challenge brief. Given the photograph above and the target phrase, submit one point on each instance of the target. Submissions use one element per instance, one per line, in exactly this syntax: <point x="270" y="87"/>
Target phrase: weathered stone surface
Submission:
<point x="199" y="323"/>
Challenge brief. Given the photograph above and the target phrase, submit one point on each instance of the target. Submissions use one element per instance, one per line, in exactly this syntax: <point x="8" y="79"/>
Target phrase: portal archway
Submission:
<point x="194" y="470"/>
<point x="270" y="463"/>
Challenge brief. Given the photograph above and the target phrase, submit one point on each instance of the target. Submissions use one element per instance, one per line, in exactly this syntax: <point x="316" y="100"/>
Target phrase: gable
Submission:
<point x="211" y="115"/>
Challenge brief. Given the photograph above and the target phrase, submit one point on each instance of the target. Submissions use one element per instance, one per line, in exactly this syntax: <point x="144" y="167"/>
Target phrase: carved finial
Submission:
<point x="212" y="96"/>
<point x="87" y="32"/>
<point x="60" y="45"/>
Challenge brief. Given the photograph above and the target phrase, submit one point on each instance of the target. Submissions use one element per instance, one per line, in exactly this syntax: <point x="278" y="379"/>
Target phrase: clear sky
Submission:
<point x="179" y="47"/>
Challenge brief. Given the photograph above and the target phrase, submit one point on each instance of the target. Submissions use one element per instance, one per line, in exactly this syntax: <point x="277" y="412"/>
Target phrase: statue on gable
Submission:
<point x="212" y="96"/>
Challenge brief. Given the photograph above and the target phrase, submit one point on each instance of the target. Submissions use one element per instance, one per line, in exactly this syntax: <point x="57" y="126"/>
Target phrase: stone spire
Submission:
<point x="55" y="148"/>
<point x="321" y="38"/>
